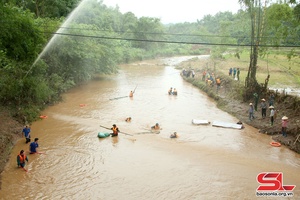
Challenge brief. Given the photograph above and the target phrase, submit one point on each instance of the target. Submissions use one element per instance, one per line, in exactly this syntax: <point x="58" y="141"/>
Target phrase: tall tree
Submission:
<point x="256" y="12"/>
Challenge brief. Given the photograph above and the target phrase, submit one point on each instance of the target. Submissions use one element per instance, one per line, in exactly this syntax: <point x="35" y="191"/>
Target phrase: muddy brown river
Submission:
<point x="205" y="162"/>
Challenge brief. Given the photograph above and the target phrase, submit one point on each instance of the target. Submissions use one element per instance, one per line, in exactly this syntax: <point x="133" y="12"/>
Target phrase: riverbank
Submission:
<point x="10" y="132"/>
<point x="229" y="99"/>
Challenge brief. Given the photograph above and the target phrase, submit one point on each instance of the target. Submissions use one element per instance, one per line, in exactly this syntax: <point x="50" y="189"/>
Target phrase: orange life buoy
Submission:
<point x="43" y="116"/>
<point x="275" y="144"/>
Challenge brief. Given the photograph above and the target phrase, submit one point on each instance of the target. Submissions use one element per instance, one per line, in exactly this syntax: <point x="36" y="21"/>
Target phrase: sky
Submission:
<point x="175" y="11"/>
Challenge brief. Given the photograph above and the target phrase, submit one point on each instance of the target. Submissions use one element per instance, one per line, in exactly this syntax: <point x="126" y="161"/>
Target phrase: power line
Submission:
<point x="175" y="34"/>
<point x="172" y="42"/>
<point x="163" y="33"/>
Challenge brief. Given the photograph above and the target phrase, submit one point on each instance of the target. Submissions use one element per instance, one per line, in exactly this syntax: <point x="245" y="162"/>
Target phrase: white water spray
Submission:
<point x="66" y="23"/>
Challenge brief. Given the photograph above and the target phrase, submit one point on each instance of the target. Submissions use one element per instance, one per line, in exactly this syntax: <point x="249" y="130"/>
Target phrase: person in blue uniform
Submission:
<point x="26" y="132"/>
<point x="33" y="146"/>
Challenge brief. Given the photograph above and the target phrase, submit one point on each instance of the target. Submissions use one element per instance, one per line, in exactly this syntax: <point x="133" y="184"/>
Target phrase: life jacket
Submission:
<point x="22" y="158"/>
<point x="115" y="130"/>
<point x="131" y="94"/>
<point x="218" y="81"/>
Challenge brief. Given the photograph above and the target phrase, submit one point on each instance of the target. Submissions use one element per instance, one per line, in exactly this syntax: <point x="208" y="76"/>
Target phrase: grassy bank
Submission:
<point x="283" y="73"/>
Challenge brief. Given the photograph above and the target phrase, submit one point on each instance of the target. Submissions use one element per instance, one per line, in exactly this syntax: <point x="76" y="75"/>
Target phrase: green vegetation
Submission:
<point x="43" y="53"/>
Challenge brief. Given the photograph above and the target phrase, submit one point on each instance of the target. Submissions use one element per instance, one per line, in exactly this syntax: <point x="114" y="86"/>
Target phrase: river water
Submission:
<point x="205" y="162"/>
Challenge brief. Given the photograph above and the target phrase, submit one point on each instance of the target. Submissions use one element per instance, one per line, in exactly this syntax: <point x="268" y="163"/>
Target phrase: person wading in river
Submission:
<point x="174" y="135"/>
<point x="174" y="91"/>
<point x="21" y="158"/>
<point x="170" y="91"/>
<point x="115" y="130"/>
<point x="128" y="119"/>
<point x="26" y="132"/>
<point x="131" y="94"/>
<point x="33" y="146"/>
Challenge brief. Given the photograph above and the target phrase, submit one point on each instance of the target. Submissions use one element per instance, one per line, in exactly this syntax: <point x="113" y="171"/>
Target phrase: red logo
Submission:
<point x="272" y="181"/>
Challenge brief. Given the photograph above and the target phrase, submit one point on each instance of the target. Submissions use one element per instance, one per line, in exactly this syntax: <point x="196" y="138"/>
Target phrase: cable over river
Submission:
<point x="204" y="162"/>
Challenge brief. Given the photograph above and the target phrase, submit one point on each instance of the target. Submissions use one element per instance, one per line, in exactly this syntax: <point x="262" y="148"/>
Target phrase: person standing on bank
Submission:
<point x="115" y="130"/>
<point x="251" y="112"/>
<point x="26" y="132"/>
<point x="21" y="158"/>
<point x="272" y="113"/>
<point x="263" y="106"/>
<point x="284" y="123"/>
<point x="33" y="146"/>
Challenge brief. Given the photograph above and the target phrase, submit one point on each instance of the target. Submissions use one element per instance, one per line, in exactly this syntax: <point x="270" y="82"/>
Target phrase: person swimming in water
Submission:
<point x="174" y="135"/>
<point x="128" y="119"/>
<point x="155" y="127"/>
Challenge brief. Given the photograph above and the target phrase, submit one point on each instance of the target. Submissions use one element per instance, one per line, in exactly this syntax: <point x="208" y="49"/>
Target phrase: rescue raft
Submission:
<point x="275" y="144"/>
<point x="103" y="135"/>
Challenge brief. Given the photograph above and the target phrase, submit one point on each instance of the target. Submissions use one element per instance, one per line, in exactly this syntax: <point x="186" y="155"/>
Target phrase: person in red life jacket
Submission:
<point x="115" y="130"/>
<point x="218" y="81"/>
<point x="33" y="146"/>
<point x="26" y="132"/>
<point x="21" y="158"/>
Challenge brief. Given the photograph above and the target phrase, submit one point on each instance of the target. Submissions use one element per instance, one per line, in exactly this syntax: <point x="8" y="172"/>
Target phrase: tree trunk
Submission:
<point x="251" y="85"/>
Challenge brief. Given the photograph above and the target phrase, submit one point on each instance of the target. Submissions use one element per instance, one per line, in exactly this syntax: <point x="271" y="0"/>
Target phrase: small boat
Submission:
<point x="200" y="122"/>
<point x="227" y="125"/>
<point x="103" y="135"/>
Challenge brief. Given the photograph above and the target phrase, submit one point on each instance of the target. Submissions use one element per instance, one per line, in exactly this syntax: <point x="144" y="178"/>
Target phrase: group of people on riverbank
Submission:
<point x="207" y="76"/>
<point x="188" y="73"/>
<point x="235" y="73"/>
<point x="211" y="80"/>
<point x="272" y="115"/>
<point x="33" y="146"/>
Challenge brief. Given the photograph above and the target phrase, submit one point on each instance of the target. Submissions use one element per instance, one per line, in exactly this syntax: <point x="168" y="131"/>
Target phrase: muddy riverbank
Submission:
<point x="229" y="99"/>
